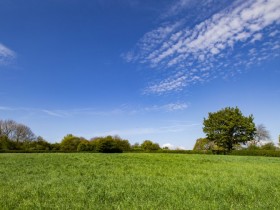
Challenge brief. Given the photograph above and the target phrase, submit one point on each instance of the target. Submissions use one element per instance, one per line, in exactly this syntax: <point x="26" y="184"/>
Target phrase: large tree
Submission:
<point x="228" y="127"/>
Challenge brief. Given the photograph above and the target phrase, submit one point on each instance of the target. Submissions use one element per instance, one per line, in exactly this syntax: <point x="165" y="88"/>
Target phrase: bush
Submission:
<point x="268" y="153"/>
<point x="7" y="144"/>
<point x="109" y="144"/>
<point x="268" y="146"/>
<point x="70" y="143"/>
<point x="84" y="146"/>
<point x="148" y="145"/>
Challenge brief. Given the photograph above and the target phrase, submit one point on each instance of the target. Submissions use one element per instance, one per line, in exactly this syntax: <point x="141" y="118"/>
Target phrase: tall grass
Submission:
<point x="138" y="181"/>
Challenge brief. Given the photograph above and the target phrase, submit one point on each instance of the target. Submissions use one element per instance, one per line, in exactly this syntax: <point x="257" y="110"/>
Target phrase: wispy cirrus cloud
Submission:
<point x="122" y="110"/>
<point x="244" y="33"/>
<point x="179" y="8"/>
<point x="149" y="130"/>
<point x="4" y="108"/>
<point x="54" y="113"/>
<point x="171" y="107"/>
<point x="6" y="55"/>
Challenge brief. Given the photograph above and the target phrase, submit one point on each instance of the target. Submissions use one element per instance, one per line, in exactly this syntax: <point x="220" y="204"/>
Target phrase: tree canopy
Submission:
<point x="228" y="127"/>
<point x="202" y="144"/>
<point x="149" y="145"/>
<point x="16" y="132"/>
<point x="70" y="143"/>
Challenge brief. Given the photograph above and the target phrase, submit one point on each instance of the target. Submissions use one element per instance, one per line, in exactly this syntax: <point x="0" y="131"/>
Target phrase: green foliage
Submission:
<point x="203" y="144"/>
<point x="55" y="146"/>
<point x="138" y="181"/>
<point x="124" y="145"/>
<point x="84" y="145"/>
<point x="107" y="145"/>
<point x="267" y="153"/>
<point x="148" y="145"/>
<point x="110" y="144"/>
<point x="268" y="146"/>
<point x="136" y="147"/>
<point x="70" y="143"/>
<point x="253" y="147"/>
<point x="39" y="144"/>
<point x="228" y="127"/>
<point x="6" y="143"/>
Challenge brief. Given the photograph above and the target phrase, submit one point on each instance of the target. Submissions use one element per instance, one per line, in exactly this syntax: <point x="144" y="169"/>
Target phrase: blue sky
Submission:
<point x="138" y="69"/>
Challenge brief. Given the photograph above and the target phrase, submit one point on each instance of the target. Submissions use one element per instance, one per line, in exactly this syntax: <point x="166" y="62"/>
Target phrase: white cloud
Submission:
<point x="168" y="107"/>
<point x="180" y="148"/>
<point x="174" y="83"/>
<point x="176" y="106"/>
<point x="274" y="33"/>
<point x="209" y="45"/>
<point x="257" y="37"/>
<point x="168" y="145"/>
<point x="6" y="54"/>
<point x="173" y="147"/>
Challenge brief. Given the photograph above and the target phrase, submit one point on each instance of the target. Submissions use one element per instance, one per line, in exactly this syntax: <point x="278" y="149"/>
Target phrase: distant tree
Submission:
<point x="55" y="146"/>
<point x="253" y="146"/>
<point x="268" y="146"/>
<point x="203" y="144"/>
<point x="7" y="128"/>
<point x="16" y="132"/>
<point x="149" y="145"/>
<point x="122" y="143"/>
<point x="70" y="143"/>
<point x="6" y="143"/>
<point x="39" y="144"/>
<point x="136" y="147"/>
<point x="228" y="127"/>
<point x="262" y="134"/>
<point x="94" y="142"/>
<point x="84" y="145"/>
<point x="108" y="145"/>
<point x="23" y="134"/>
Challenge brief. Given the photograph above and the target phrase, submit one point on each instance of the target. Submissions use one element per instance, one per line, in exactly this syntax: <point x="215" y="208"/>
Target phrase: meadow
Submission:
<point x="138" y="181"/>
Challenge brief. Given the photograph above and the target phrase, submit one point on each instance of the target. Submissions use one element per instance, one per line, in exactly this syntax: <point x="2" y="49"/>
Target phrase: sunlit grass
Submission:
<point x="138" y="181"/>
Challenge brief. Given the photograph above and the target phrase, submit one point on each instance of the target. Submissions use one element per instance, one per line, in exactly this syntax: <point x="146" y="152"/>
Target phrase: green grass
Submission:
<point x="138" y="181"/>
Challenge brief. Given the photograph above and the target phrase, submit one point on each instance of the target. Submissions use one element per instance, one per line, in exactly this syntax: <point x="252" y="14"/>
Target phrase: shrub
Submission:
<point x="70" y="143"/>
<point x="107" y="145"/>
<point x="84" y="146"/>
<point x="7" y="144"/>
<point x="269" y="153"/>
<point x="148" y="145"/>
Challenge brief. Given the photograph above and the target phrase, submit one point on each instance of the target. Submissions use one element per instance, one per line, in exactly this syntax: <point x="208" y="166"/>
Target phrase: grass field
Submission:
<point x="138" y="181"/>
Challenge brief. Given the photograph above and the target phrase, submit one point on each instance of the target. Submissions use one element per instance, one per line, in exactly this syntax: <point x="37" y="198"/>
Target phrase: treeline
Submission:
<point x="18" y="137"/>
<point x="203" y="144"/>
